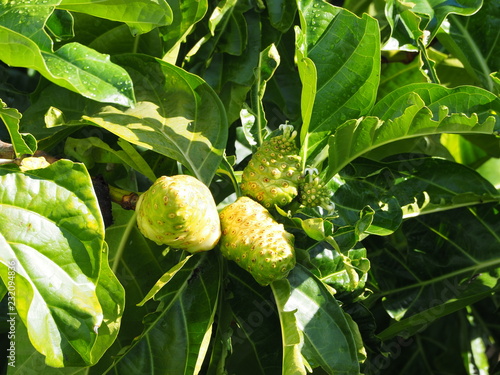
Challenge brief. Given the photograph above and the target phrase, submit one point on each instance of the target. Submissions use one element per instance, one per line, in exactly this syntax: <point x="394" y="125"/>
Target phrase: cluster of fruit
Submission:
<point x="180" y="212"/>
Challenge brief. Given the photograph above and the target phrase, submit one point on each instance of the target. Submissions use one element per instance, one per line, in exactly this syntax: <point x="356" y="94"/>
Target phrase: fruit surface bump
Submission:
<point x="179" y="211"/>
<point x="273" y="173"/>
<point x="255" y="241"/>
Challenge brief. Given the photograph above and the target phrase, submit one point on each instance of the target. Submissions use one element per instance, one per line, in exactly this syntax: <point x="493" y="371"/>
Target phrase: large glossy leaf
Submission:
<point x="439" y="268"/>
<point x="140" y="15"/>
<point x="416" y="110"/>
<point x="475" y="41"/>
<point x="73" y="66"/>
<point x="177" y="114"/>
<point x="345" y="51"/>
<point x="329" y="341"/>
<point x="53" y="232"/>
<point x="111" y="296"/>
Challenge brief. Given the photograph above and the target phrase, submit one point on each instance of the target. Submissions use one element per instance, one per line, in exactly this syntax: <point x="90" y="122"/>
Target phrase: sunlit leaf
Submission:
<point x="53" y="233"/>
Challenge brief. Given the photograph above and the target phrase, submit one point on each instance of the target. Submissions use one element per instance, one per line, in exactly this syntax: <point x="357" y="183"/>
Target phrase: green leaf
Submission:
<point x="93" y="150"/>
<point x="177" y="115"/>
<point x="357" y="200"/>
<point x="166" y="277"/>
<point x="83" y="70"/>
<point x="407" y="114"/>
<point x="73" y="66"/>
<point x="425" y="185"/>
<point x="396" y="73"/>
<point x="464" y="99"/>
<point x="185" y="15"/>
<point x="140" y="15"/>
<point x="60" y="25"/>
<point x="281" y="13"/>
<point x="25" y="21"/>
<point x="292" y="337"/>
<point x="53" y="232"/>
<point x="426" y="15"/>
<point x="474" y="41"/>
<point x="256" y="345"/>
<point x="345" y="50"/>
<point x="345" y="273"/>
<point x="111" y="296"/>
<point x="22" y="143"/>
<point x="186" y="312"/>
<point x="436" y="266"/>
<point x="328" y="339"/>
<point x="269" y="61"/>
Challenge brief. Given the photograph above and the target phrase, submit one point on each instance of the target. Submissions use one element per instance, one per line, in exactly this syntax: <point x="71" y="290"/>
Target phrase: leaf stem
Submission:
<point x="136" y="44"/>
<point x="123" y="242"/>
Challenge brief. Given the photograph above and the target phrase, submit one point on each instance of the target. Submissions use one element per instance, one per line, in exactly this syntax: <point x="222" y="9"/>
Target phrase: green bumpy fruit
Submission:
<point x="255" y="241"/>
<point x="273" y="174"/>
<point x="315" y="194"/>
<point x="180" y="212"/>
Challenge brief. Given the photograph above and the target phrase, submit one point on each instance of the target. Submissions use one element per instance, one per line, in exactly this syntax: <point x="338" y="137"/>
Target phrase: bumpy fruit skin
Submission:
<point x="255" y="241"/>
<point x="273" y="174"/>
<point x="315" y="194"/>
<point x="180" y="212"/>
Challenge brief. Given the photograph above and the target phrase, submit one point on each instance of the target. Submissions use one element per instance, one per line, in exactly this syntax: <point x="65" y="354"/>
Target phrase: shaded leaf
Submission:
<point x="93" y="150"/>
<point x="474" y="41"/>
<point x="255" y="340"/>
<point x="140" y="15"/>
<point x="60" y="25"/>
<point x="352" y="198"/>
<point x="186" y="312"/>
<point x="444" y="269"/>
<point x="425" y="185"/>
<point x="185" y="15"/>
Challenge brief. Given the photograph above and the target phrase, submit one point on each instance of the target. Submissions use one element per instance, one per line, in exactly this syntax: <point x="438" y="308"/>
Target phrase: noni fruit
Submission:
<point x="179" y="211"/>
<point x="255" y="241"/>
<point x="273" y="173"/>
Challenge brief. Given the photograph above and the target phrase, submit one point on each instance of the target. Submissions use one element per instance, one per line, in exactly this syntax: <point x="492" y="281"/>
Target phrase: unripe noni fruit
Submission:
<point x="180" y="212"/>
<point x="316" y="194"/>
<point x="272" y="176"/>
<point x="255" y="241"/>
